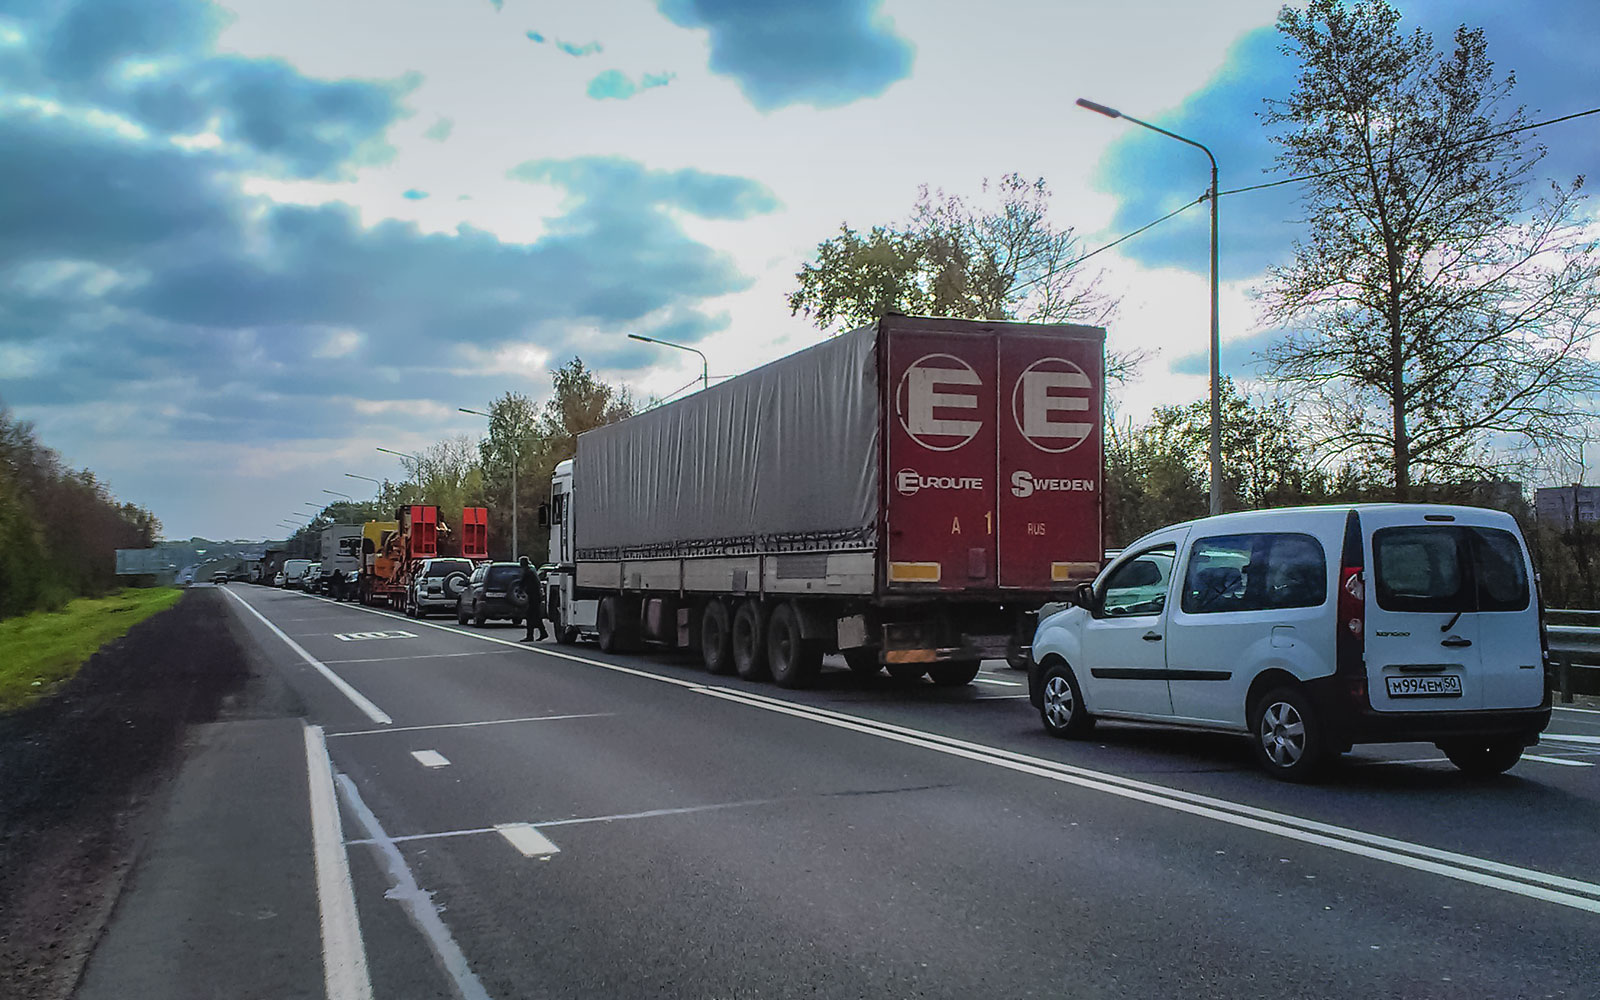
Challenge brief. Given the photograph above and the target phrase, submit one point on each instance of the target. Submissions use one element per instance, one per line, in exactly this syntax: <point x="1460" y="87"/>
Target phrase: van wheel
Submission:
<point x="750" y="642"/>
<point x="955" y="673"/>
<point x="863" y="660"/>
<point x="1061" y="705"/>
<point x="795" y="660"/>
<point x="716" y="638"/>
<point x="1286" y="735"/>
<point x="1483" y="759"/>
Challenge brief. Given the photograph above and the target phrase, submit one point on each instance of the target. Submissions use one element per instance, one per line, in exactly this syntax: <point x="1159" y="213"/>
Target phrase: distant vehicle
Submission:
<point x="220" y="576"/>
<point x="311" y="580"/>
<point x="1312" y="629"/>
<point x="278" y="579"/>
<point x="393" y="552"/>
<point x="294" y="570"/>
<point x="493" y="591"/>
<point x="908" y="494"/>
<point x="341" y="560"/>
<point x="437" y="586"/>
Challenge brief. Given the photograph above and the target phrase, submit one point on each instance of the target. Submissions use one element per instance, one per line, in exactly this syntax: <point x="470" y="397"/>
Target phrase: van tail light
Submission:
<point x="1350" y="646"/>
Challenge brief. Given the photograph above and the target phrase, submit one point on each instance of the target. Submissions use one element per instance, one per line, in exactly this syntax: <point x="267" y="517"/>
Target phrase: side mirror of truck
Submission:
<point x="544" y="515"/>
<point x="1083" y="597"/>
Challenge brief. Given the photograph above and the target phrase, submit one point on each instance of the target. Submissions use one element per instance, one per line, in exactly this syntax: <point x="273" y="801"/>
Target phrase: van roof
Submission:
<point x="1459" y="510"/>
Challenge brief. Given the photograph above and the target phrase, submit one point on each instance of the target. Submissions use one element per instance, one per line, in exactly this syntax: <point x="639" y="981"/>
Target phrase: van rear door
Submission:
<point x="1451" y="622"/>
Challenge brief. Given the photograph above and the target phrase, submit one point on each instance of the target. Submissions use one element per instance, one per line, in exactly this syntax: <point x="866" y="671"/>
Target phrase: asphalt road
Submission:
<point x="551" y="821"/>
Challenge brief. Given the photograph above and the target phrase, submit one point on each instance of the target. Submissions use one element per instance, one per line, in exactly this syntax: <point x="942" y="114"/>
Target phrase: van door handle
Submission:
<point x="1152" y="637"/>
<point x="1455" y="641"/>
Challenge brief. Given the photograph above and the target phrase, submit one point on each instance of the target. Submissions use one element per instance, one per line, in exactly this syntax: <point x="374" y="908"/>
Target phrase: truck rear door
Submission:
<point x="1048" y="520"/>
<point x="939" y="425"/>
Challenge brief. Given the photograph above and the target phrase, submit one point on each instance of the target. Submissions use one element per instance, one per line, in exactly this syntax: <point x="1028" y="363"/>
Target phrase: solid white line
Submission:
<point x="419" y="904"/>
<point x="1429" y="859"/>
<point x="1581" y="711"/>
<point x="526" y="839"/>
<point x="360" y="700"/>
<point x="344" y="955"/>
<point x="469" y="725"/>
<point x="430" y="758"/>
<point x="1570" y="738"/>
<point x="985" y="680"/>
<point x="1557" y="760"/>
<point x="1307" y="831"/>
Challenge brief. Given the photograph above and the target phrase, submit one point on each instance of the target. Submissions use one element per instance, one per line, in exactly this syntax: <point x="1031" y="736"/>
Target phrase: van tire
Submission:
<point x="1483" y="758"/>
<point x="955" y="673"/>
<point x="1287" y="736"/>
<point x="1061" y="703"/>
<point x="750" y="641"/>
<point x="716" y="638"/>
<point x="794" y="660"/>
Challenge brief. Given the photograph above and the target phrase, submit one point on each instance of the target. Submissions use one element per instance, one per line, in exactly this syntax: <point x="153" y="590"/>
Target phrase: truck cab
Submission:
<point x="573" y="618"/>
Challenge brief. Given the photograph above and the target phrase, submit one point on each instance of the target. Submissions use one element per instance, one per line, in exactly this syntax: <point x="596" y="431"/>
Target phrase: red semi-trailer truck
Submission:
<point x="908" y="493"/>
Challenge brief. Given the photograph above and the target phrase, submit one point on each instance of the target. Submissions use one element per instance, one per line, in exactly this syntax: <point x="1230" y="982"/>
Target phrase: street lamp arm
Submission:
<point x="705" y="366"/>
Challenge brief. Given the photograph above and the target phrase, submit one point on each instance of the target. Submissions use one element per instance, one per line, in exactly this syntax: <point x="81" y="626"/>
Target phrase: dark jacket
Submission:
<point x="530" y="586"/>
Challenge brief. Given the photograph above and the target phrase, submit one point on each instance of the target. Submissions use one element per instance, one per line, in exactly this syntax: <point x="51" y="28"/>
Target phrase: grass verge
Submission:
<point x="39" y="651"/>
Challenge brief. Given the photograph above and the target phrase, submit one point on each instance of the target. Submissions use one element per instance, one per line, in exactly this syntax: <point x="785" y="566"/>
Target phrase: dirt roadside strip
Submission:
<point x="88" y="772"/>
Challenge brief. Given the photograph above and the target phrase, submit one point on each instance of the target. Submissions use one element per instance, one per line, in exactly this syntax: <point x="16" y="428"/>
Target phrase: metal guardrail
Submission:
<point x="1574" y="646"/>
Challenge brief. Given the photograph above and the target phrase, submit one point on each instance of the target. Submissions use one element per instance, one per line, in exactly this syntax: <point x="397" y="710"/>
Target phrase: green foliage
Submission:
<point x="1439" y="314"/>
<point x="45" y="648"/>
<point x="59" y="528"/>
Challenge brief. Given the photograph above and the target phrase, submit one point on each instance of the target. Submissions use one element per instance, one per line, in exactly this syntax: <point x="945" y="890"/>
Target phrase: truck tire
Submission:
<point x="716" y="638"/>
<point x="750" y="641"/>
<point x="862" y="661"/>
<point x="954" y="673"/>
<point x="795" y="661"/>
<point x="618" y="625"/>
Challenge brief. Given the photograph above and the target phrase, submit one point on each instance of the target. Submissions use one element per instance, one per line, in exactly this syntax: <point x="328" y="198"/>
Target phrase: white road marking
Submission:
<point x="647" y="814"/>
<point x="1479" y="871"/>
<point x="419" y="656"/>
<point x="360" y="700"/>
<point x="361" y="636"/>
<point x="430" y="758"/>
<point x="469" y="725"/>
<point x="344" y="955"/>
<point x="526" y="839"/>
<point x="419" y="904"/>
<point x="985" y="680"/>
<point x="1570" y="738"/>
<point x="1581" y="711"/>
<point x="1449" y="864"/>
<point x="1557" y="760"/>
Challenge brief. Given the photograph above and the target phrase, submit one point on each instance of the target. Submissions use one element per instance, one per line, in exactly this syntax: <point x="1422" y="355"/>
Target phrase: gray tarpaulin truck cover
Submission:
<point x="784" y="457"/>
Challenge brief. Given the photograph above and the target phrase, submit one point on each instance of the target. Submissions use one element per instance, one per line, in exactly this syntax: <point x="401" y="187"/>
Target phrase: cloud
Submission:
<point x="594" y="180"/>
<point x="615" y="85"/>
<point x="412" y="194"/>
<point x="440" y="130"/>
<point x="1152" y="174"/>
<point x="826" y="53"/>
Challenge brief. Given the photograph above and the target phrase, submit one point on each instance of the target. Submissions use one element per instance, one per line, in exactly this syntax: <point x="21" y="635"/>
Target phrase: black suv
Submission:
<point x="493" y="591"/>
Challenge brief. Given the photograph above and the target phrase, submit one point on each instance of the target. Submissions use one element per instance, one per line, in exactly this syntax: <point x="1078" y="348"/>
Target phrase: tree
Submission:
<point x="1001" y="260"/>
<point x="1441" y="315"/>
<point x="512" y="439"/>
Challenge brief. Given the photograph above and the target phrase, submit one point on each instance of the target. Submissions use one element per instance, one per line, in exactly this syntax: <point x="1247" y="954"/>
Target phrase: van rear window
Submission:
<point x="1449" y="568"/>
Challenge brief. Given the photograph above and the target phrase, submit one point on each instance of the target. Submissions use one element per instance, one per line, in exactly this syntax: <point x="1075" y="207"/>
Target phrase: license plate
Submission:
<point x="1431" y="686"/>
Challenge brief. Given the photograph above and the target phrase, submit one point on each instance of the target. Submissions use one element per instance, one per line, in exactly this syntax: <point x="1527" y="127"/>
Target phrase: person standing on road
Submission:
<point x="530" y="587"/>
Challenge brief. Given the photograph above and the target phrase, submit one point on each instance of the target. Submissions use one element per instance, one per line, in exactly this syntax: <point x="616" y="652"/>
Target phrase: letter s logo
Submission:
<point x="1022" y="483"/>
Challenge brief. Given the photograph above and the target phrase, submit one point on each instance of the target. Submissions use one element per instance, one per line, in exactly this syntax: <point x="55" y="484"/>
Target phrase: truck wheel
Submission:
<point x="750" y="641"/>
<point x="795" y="660"/>
<point x="907" y="672"/>
<point x="619" y="630"/>
<point x="716" y="638"/>
<point x="862" y="661"/>
<point x="955" y="673"/>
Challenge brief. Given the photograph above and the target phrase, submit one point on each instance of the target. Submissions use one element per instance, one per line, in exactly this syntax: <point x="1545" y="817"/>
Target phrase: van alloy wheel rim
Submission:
<point x="1283" y="734"/>
<point x="1058" y="701"/>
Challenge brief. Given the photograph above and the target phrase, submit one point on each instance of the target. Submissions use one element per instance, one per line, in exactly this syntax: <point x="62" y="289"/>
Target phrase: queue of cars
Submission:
<point x="1309" y="630"/>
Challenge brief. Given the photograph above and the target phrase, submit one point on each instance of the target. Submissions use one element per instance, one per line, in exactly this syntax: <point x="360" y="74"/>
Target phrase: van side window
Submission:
<point x="1139" y="585"/>
<point x="1255" y="572"/>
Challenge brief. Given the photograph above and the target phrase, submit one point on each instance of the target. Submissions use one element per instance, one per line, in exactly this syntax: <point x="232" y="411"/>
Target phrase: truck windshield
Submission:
<point x="1449" y="568"/>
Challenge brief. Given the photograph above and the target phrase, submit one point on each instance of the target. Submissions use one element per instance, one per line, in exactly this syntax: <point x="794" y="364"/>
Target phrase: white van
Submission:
<point x="294" y="571"/>
<point x="1311" y="629"/>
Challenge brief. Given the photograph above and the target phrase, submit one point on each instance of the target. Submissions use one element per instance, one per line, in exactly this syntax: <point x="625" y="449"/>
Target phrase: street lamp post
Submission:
<point x="1216" y="336"/>
<point x="369" y="479"/>
<point x="705" y="369"/>
<point x="516" y="460"/>
<point x="406" y="454"/>
<point x="338" y="494"/>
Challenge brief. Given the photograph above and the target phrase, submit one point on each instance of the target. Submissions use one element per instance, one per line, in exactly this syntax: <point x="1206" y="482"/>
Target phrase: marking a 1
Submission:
<point x="358" y="636"/>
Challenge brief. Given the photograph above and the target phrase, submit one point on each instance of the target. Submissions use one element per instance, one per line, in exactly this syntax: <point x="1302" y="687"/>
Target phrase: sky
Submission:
<point x="245" y="243"/>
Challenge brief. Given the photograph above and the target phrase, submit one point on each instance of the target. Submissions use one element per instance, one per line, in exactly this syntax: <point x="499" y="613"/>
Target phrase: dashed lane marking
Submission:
<point x="469" y="725"/>
<point x="528" y="840"/>
<point x="430" y="758"/>
<point x="1557" y="760"/>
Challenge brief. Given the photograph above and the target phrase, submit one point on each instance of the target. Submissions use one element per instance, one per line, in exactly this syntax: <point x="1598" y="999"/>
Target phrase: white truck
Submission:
<point x="341" y="560"/>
